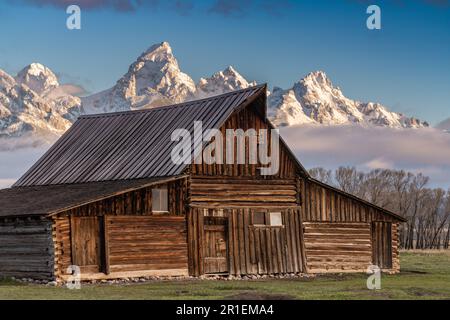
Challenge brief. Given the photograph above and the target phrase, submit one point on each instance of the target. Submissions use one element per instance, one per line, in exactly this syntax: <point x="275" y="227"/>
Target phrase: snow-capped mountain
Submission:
<point x="34" y="102"/>
<point x="222" y="82"/>
<point x="154" y="79"/>
<point x="314" y="99"/>
<point x="24" y="110"/>
<point x="38" y="78"/>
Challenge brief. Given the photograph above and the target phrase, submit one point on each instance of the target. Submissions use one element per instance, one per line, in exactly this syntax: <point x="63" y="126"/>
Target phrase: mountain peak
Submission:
<point x="318" y="78"/>
<point x="230" y="70"/>
<point x="314" y="99"/>
<point x="158" y="52"/>
<point x="38" y="78"/>
<point x="222" y="82"/>
<point x="154" y="79"/>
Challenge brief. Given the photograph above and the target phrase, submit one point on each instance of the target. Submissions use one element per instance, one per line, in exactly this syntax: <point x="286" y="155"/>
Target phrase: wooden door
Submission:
<point x="382" y="244"/>
<point x="87" y="235"/>
<point x="215" y="254"/>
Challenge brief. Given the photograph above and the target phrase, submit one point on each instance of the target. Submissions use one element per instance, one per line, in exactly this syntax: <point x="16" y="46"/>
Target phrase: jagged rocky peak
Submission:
<point x="314" y="99"/>
<point x="33" y="101"/>
<point x="153" y="80"/>
<point x="222" y="82"/>
<point x="38" y="78"/>
<point x="25" y="107"/>
<point x="317" y="86"/>
<point x="157" y="69"/>
<point x="6" y="81"/>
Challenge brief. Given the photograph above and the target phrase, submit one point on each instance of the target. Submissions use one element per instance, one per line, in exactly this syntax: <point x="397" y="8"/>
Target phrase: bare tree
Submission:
<point x="427" y="210"/>
<point x="322" y="174"/>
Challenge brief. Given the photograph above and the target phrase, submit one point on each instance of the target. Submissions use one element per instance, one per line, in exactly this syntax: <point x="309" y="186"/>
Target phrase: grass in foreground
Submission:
<point x="424" y="276"/>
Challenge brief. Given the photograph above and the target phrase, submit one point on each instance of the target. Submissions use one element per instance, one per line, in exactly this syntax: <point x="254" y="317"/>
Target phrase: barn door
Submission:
<point x="215" y="245"/>
<point x="87" y="238"/>
<point x="382" y="244"/>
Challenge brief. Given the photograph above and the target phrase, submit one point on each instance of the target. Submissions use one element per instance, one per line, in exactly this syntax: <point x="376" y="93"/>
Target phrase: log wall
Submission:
<point x="223" y="191"/>
<point x="338" y="247"/>
<point x="395" y="248"/>
<point x="323" y="207"/>
<point x="147" y="243"/>
<point x="135" y="238"/>
<point x="252" y="249"/>
<point x="26" y="249"/>
<point x="137" y="202"/>
<point x="322" y="204"/>
<point x="62" y="245"/>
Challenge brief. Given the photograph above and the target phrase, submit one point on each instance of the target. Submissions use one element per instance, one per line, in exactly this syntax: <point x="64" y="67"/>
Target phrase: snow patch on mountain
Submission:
<point x="34" y="103"/>
<point x="25" y="107"/>
<point x="38" y="78"/>
<point x="314" y="99"/>
<point x="222" y="82"/>
<point x="154" y="79"/>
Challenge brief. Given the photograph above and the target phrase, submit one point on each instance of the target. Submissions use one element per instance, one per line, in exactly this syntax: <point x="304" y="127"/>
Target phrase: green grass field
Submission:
<point x="424" y="276"/>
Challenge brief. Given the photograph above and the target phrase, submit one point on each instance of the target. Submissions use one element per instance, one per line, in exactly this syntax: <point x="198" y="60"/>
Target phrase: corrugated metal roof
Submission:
<point x="129" y="145"/>
<point x="42" y="200"/>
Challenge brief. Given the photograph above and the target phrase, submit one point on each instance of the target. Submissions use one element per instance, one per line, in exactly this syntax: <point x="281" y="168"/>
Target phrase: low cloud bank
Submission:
<point x="14" y="163"/>
<point x="421" y="150"/>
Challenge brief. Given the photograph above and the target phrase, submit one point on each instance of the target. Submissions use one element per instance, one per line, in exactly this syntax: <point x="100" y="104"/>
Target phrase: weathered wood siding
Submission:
<point x="147" y="243"/>
<point x="62" y="245"/>
<point x="322" y="207"/>
<point x="26" y="249"/>
<point x="395" y="248"/>
<point x="135" y="239"/>
<point x="246" y="119"/>
<point x="327" y="205"/>
<point x="252" y="249"/>
<point x="338" y="247"/>
<point x="137" y="202"/>
<point x="240" y="192"/>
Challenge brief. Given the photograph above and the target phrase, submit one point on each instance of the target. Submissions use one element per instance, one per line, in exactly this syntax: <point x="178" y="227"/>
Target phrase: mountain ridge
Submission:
<point x="35" y="103"/>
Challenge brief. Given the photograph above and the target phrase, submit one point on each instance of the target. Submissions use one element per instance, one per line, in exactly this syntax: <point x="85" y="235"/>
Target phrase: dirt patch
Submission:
<point x="413" y="272"/>
<point x="421" y="292"/>
<point x="259" y="296"/>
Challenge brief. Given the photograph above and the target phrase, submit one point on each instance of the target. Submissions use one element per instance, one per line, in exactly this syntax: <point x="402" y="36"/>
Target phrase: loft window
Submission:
<point x="160" y="200"/>
<point x="259" y="218"/>
<point x="275" y="219"/>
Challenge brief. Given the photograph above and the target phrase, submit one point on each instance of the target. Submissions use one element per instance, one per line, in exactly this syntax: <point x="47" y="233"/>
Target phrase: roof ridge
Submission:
<point x="170" y="106"/>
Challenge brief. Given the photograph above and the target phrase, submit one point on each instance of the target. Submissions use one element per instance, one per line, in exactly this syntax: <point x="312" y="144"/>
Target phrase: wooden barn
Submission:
<point x="108" y="198"/>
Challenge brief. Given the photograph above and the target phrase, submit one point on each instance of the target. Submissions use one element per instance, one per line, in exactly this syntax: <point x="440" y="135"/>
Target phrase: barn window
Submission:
<point x="275" y="219"/>
<point x="160" y="200"/>
<point x="259" y="218"/>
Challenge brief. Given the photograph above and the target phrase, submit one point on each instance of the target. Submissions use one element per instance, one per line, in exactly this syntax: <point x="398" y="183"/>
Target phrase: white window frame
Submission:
<point x="162" y="195"/>
<point x="276" y="219"/>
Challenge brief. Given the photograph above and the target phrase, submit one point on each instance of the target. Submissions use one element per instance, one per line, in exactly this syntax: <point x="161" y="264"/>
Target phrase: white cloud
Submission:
<point x="14" y="163"/>
<point x="379" y="163"/>
<point x="421" y="150"/>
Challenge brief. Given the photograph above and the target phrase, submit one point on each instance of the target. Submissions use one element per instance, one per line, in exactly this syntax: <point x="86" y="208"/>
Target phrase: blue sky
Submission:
<point x="405" y="65"/>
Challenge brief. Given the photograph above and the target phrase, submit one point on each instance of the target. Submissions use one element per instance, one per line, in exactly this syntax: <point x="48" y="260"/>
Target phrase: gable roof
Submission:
<point x="131" y="144"/>
<point x="105" y="154"/>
